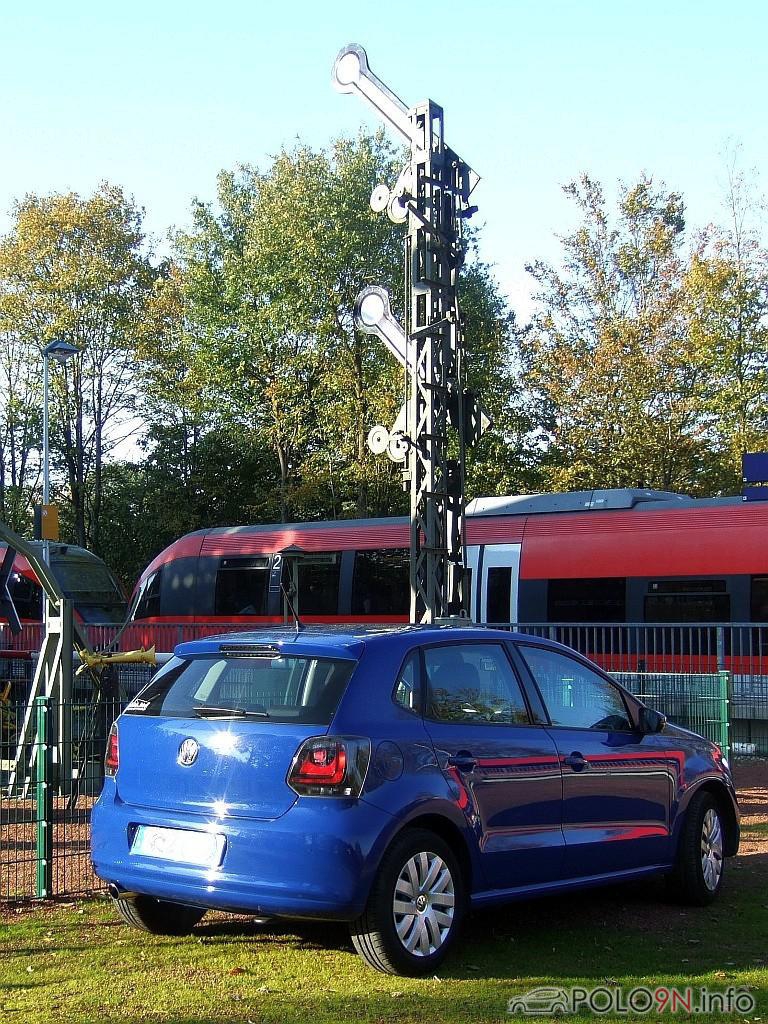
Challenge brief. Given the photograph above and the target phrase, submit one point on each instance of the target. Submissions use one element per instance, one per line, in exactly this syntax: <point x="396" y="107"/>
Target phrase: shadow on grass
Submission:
<point x="629" y="930"/>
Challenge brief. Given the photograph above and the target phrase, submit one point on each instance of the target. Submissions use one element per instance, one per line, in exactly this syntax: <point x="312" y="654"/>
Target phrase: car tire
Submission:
<point x="160" y="917"/>
<point x="415" y="908"/>
<point x="700" y="866"/>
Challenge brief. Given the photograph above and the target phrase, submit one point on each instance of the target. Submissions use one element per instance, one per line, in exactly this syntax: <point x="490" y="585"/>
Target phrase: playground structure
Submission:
<point x="53" y="676"/>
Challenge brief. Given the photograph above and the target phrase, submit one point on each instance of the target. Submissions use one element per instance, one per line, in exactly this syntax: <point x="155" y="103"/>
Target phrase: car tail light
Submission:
<point x="330" y="766"/>
<point x="112" y="756"/>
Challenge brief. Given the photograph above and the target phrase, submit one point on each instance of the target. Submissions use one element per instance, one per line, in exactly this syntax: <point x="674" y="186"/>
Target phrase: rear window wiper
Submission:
<point x="206" y="712"/>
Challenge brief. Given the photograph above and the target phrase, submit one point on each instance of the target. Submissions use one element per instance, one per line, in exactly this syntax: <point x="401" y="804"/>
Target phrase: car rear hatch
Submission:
<point x="216" y="730"/>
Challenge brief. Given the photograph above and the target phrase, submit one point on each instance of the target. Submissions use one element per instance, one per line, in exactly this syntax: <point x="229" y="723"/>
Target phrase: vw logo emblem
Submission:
<point x="188" y="751"/>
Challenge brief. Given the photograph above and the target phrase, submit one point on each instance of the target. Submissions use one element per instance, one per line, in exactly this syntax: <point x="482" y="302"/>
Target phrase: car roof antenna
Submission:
<point x="288" y="593"/>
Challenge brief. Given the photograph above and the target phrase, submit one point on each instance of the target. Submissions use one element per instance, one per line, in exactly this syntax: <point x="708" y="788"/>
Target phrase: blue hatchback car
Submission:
<point x="393" y="779"/>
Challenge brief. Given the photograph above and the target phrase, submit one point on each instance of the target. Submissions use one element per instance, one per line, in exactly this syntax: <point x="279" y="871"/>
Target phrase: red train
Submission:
<point x="607" y="556"/>
<point x="83" y="577"/>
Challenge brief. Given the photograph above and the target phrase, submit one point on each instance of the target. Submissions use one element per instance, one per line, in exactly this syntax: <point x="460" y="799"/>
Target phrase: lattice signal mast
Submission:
<point x="440" y="416"/>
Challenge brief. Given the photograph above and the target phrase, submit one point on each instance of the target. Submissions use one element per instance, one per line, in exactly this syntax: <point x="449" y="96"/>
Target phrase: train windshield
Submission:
<point x="92" y="587"/>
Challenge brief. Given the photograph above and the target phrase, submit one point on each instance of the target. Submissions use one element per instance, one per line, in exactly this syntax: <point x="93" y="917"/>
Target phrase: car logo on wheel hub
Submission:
<point x="188" y="751"/>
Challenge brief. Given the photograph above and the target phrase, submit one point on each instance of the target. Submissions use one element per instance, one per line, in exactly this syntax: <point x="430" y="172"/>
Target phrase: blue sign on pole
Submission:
<point x="754" y="475"/>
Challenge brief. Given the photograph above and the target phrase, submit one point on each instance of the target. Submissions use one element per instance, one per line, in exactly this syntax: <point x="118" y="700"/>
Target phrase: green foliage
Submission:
<point x="504" y="460"/>
<point x="219" y="480"/>
<point x="609" y="358"/>
<point x="269" y="285"/>
<point x="75" y="269"/>
<point x="263" y="336"/>
<point x="727" y="293"/>
<point x="643" y="365"/>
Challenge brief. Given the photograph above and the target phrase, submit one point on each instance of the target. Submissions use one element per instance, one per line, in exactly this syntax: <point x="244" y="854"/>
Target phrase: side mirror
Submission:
<point x="651" y="721"/>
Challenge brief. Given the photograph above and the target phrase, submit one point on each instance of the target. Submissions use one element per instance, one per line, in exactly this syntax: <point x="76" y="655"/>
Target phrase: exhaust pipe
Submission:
<point x="117" y="892"/>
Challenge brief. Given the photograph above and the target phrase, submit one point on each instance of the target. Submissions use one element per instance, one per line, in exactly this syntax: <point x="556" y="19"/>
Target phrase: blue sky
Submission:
<point x="158" y="97"/>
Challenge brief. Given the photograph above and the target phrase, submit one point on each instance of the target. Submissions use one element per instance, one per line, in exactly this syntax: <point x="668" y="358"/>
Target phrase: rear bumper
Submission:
<point x="317" y="860"/>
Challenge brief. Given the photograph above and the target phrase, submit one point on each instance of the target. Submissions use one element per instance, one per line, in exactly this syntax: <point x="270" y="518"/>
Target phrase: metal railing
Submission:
<point x="698" y="652"/>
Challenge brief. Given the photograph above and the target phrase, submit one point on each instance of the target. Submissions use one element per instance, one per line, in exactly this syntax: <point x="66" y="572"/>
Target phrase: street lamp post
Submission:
<point x="60" y="352"/>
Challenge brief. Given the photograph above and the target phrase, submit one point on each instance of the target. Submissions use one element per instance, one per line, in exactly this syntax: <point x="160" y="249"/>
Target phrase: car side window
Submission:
<point x="575" y="697"/>
<point x="407" y="692"/>
<point x="473" y="683"/>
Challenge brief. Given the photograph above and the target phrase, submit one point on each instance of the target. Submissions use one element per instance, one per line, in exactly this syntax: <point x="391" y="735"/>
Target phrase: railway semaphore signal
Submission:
<point x="440" y="416"/>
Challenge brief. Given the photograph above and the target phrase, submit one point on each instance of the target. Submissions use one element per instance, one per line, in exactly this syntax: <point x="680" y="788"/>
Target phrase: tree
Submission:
<point x="270" y="283"/>
<point x="270" y="280"/>
<point x="504" y="461"/>
<point x="75" y="269"/>
<point x="727" y="292"/>
<point x="608" y="357"/>
<point x="20" y="423"/>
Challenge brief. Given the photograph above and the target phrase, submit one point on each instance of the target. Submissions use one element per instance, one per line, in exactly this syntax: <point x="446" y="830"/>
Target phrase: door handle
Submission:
<point x="576" y="761"/>
<point x="464" y="761"/>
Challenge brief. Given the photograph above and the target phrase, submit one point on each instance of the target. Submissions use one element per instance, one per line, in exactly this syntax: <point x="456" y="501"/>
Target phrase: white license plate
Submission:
<point x="203" y="849"/>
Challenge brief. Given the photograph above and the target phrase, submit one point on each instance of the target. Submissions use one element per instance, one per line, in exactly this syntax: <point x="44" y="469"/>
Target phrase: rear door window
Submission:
<point x="473" y="683"/>
<point x="276" y="689"/>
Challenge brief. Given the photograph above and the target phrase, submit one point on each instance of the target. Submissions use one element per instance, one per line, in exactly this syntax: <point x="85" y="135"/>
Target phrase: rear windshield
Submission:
<point x="276" y="689"/>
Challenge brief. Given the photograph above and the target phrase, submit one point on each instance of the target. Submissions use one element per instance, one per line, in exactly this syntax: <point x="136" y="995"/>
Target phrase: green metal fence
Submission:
<point x="697" y="702"/>
<point x="47" y="789"/>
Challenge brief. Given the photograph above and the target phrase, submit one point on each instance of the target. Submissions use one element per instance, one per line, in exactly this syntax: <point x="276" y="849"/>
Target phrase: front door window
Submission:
<point x="575" y="696"/>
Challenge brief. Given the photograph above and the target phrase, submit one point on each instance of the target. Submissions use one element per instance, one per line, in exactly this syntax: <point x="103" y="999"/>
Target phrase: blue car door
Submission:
<point x="504" y="767"/>
<point x="618" y="784"/>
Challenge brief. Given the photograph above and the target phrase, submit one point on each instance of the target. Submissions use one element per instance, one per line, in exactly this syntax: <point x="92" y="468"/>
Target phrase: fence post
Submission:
<point x="720" y="648"/>
<point x="725" y="722"/>
<point x="43" y="799"/>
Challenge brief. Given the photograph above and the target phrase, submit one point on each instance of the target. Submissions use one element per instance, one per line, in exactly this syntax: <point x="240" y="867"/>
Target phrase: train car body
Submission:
<point x="621" y="556"/>
<point x="82" y="576"/>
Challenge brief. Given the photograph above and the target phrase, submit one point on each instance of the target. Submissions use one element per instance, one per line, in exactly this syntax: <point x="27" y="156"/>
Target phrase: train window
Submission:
<point x="587" y="600"/>
<point x="687" y="601"/>
<point x="380" y="585"/>
<point x="81" y="576"/>
<point x="759" y="599"/>
<point x="241" y="586"/>
<point x="27" y="597"/>
<point x="149" y="602"/>
<point x="498" y="599"/>
<point x="319" y="584"/>
<point x="687" y="587"/>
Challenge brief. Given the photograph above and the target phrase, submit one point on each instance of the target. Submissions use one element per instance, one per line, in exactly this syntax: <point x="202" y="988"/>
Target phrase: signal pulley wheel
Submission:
<point x="698" y="873"/>
<point x="161" y="917"/>
<point x="415" y="908"/>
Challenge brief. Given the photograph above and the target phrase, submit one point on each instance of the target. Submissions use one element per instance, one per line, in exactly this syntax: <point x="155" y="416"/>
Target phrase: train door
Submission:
<point x="498" y="575"/>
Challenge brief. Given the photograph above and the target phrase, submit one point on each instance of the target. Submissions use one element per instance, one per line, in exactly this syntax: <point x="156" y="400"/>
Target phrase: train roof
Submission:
<point x="507" y="505"/>
<point x="588" y="501"/>
<point x="58" y="550"/>
<point x="324" y="524"/>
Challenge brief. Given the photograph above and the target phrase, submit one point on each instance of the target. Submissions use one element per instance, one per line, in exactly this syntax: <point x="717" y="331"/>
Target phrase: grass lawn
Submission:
<point x="75" y="962"/>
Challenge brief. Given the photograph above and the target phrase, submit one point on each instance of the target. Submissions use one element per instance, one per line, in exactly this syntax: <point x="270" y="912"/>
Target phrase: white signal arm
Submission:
<point x="351" y="74"/>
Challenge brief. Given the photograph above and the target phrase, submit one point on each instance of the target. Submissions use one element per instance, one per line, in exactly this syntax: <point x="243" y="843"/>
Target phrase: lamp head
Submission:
<point x="60" y="351"/>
